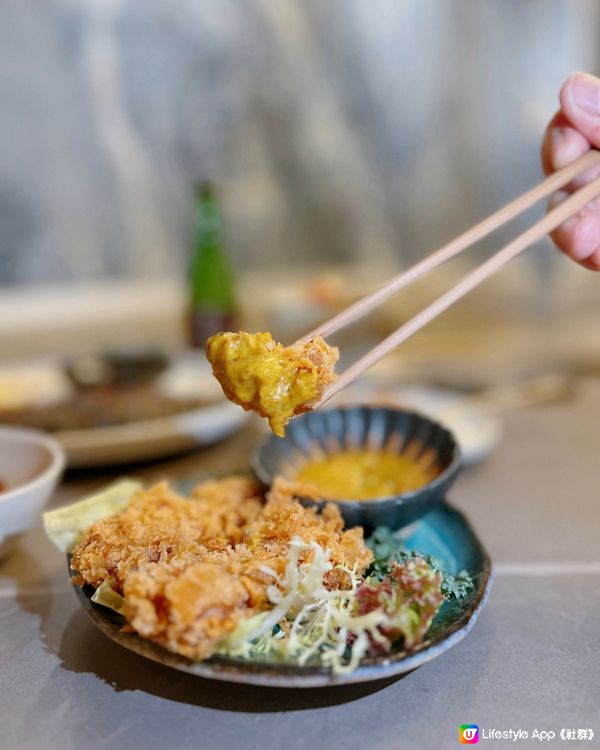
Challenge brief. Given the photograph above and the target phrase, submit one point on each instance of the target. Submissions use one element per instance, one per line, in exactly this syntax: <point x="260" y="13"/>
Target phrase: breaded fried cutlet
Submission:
<point x="186" y="589"/>
<point x="273" y="380"/>
<point x="160" y="524"/>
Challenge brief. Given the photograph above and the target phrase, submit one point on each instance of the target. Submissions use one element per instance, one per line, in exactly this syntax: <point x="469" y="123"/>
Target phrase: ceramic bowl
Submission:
<point x="31" y="463"/>
<point x="314" y="435"/>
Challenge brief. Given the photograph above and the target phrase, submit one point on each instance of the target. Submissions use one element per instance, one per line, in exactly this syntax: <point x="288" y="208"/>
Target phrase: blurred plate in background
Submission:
<point x="477" y="431"/>
<point x="152" y="438"/>
<point x="182" y="409"/>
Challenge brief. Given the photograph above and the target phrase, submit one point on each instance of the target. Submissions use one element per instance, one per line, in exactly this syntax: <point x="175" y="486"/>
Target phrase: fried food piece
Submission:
<point x="187" y="611"/>
<point x="159" y="525"/>
<point x="227" y="506"/>
<point x="283" y="518"/>
<point x="187" y="591"/>
<point x="262" y="375"/>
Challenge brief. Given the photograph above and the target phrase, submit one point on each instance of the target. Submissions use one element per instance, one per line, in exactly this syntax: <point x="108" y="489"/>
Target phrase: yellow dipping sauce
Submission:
<point x="366" y="475"/>
<point x="273" y="380"/>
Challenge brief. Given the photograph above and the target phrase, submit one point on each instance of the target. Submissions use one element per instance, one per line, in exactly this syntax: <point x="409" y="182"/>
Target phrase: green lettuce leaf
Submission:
<point x="388" y="549"/>
<point x="108" y="597"/>
<point x="65" y="526"/>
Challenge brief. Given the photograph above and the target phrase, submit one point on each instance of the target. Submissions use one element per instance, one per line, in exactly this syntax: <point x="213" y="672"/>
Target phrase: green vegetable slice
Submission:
<point x="108" y="597"/>
<point x="65" y="526"/>
<point x="388" y="548"/>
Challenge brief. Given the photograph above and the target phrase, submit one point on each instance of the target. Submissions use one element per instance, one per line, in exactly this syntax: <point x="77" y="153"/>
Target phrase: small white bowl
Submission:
<point x="31" y="464"/>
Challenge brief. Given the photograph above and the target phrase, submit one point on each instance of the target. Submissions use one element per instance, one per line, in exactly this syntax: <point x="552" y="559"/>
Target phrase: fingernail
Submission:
<point x="557" y="136"/>
<point x="585" y="91"/>
<point x="557" y="198"/>
<point x="585" y="237"/>
<point x="563" y="149"/>
<point x="594" y="261"/>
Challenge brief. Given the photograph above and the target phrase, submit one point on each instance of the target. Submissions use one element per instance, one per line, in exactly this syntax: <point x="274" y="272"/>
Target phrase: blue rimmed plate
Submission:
<point x="444" y="533"/>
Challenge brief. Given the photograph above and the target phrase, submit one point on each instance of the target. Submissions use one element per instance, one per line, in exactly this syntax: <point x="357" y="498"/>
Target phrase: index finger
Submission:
<point x="562" y="144"/>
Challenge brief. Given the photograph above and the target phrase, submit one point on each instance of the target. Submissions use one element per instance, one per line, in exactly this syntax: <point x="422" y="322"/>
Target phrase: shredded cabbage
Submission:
<point x="308" y="621"/>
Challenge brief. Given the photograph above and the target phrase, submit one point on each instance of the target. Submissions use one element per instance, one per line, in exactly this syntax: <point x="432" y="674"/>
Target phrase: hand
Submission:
<point x="573" y="130"/>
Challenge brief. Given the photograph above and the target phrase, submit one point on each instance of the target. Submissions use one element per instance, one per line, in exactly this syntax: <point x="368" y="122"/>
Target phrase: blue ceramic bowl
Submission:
<point x="314" y="435"/>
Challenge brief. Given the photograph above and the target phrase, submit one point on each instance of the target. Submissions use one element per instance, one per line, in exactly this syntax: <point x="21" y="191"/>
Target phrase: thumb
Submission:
<point x="580" y="101"/>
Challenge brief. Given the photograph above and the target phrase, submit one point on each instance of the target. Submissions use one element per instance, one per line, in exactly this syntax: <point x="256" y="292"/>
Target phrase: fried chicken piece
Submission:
<point x="190" y="606"/>
<point x="187" y="591"/>
<point x="262" y="375"/>
<point x="283" y="517"/>
<point x="228" y="506"/>
<point x="187" y="611"/>
<point x="159" y="525"/>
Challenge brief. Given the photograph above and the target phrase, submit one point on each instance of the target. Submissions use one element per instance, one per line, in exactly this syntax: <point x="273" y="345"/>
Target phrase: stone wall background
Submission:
<point x="336" y="130"/>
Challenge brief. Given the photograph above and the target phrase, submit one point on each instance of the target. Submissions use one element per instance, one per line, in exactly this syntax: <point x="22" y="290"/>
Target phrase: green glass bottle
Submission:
<point x="211" y="278"/>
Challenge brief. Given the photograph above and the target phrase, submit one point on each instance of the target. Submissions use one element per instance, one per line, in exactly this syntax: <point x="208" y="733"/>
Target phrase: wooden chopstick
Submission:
<point x="551" y="221"/>
<point x="361" y="307"/>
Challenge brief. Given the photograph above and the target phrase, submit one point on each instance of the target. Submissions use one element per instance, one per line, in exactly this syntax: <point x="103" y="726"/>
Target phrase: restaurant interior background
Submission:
<point x="346" y="139"/>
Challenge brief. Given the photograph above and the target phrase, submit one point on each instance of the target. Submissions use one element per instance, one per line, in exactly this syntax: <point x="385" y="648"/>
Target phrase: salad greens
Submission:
<point x="388" y="549"/>
<point x="394" y="604"/>
<point x="338" y="626"/>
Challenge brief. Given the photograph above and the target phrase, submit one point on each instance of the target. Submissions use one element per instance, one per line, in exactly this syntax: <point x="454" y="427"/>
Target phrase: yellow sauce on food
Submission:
<point x="367" y="474"/>
<point x="275" y="381"/>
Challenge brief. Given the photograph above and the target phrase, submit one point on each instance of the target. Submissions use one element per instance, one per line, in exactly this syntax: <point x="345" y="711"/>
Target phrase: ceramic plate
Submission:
<point x="152" y="438"/>
<point x="478" y="431"/>
<point x="189" y="376"/>
<point x="444" y="533"/>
